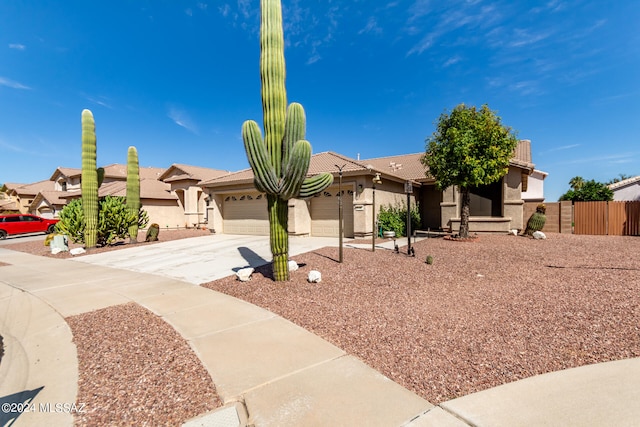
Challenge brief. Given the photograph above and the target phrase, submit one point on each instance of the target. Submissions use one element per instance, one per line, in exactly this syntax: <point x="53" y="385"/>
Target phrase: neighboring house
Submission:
<point x="170" y="196"/>
<point x="238" y="208"/>
<point x="24" y="194"/>
<point x="183" y="181"/>
<point x="7" y="204"/>
<point x="627" y="189"/>
<point x="533" y="188"/>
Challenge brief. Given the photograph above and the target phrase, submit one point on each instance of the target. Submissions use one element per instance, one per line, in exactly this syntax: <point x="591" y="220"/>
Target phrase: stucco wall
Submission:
<point x="631" y="192"/>
<point x="387" y="193"/>
<point x="299" y="217"/>
<point x="164" y="213"/>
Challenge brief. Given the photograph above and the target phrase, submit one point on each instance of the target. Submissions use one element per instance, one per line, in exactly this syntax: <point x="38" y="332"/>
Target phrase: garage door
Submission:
<point x="324" y="213"/>
<point x="246" y="213"/>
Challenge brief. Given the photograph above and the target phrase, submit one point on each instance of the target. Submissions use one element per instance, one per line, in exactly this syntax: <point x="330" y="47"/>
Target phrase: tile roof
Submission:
<point x="8" y="205"/>
<point x="522" y="155"/>
<point x="407" y="166"/>
<point x="118" y="170"/>
<point x="115" y="170"/>
<point x="624" y="183"/>
<point x="31" y="189"/>
<point x="149" y="189"/>
<point x="321" y="162"/>
<point x="181" y="172"/>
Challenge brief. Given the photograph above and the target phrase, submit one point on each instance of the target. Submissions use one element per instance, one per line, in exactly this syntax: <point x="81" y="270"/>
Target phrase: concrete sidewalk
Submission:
<point x="279" y="373"/>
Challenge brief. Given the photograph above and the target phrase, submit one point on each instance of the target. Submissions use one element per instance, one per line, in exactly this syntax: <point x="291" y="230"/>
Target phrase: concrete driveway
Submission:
<point x="201" y="259"/>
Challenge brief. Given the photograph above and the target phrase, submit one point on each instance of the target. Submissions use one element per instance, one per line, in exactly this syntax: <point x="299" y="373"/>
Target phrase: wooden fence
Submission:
<point x="601" y="218"/>
<point x="607" y="218"/>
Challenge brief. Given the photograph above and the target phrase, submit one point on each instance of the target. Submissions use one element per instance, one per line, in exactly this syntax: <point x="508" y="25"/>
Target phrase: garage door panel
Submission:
<point x="325" y="213"/>
<point x="246" y="213"/>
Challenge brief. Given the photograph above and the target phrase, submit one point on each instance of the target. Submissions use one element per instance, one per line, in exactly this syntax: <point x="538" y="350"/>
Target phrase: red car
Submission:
<point x="25" y="223"/>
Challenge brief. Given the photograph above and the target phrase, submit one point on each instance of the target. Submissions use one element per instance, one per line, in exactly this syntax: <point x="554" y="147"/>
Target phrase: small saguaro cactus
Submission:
<point x="280" y="161"/>
<point x="133" y="190"/>
<point x="89" y="184"/>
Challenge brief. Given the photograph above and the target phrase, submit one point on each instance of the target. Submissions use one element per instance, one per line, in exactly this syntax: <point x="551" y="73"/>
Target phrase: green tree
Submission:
<point x="620" y="177"/>
<point x="590" y="191"/>
<point x="576" y="182"/>
<point x="470" y="148"/>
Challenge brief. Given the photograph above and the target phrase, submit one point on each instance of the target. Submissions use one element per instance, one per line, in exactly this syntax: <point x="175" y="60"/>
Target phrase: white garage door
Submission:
<point x="246" y="213"/>
<point x="324" y="213"/>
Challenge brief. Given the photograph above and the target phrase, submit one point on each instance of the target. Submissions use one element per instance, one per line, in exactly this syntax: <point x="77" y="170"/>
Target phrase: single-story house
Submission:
<point x="236" y="207"/>
<point x="627" y="189"/>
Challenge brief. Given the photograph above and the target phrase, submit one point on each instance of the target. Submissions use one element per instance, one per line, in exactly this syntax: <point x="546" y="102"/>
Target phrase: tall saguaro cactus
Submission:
<point x="280" y="161"/>
<point x="133" y="189"/>
<point x="89" y="184"/>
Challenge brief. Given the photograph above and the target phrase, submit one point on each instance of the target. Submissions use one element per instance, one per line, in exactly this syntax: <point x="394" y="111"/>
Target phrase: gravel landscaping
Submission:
<point x="135" y="369"/>
<point x="487" y="312"/>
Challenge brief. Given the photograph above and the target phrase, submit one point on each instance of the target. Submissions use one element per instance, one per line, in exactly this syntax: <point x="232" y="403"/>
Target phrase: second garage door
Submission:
<point x="324" y="213"/>
<point x="246" y="213"/>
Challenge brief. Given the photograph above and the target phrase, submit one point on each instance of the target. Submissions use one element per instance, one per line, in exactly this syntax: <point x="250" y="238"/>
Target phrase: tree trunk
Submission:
<point x="279" y="236"/>
<point x="464" y="212"/>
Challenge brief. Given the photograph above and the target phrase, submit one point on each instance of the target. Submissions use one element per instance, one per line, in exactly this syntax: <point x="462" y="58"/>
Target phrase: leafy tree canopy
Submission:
<point x="588" y="191"/>
<point x="469" y="148"/>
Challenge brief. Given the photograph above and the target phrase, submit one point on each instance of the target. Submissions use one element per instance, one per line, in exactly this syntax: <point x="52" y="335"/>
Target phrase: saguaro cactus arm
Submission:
<point x="264" y="173"/>
<point x="315" y="184"/>
<point x="295" y="128"/>
<point x="296" y="169"/>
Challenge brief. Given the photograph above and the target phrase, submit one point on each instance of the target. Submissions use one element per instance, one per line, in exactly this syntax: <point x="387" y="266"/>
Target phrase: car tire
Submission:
<point x="51" y="229"/>
<point x="3" y="234"/>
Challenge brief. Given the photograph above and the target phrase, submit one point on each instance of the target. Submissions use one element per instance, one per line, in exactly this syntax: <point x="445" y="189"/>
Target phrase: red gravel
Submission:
<point x="135" y="369"/>
<point x="38" y="248"/>
<point x="487" y="312"/>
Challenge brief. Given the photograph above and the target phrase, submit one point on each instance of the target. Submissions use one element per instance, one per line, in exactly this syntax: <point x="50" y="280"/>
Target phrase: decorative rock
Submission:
<point x="539" y="235"/>
<point x="314" y="276"/>
<point x="77" y="251"/>
<point x="59" y="244"/>
<point x="244" y="274"/>
<point x="513" y="232"/>
<point x="293" y="266"/>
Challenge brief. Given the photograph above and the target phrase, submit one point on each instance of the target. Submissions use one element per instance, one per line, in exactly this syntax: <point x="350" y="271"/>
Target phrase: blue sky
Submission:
<point x="178" y="78"/>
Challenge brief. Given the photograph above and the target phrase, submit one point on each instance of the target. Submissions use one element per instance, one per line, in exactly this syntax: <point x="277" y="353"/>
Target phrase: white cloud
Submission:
<point x="181" y="118"/>
<point x="12" y="84"/>
<point x="562" y="148"/>
<point x="224" y="10"/>
<point x="371" y="27"/>
<point x="17" y="46"/>
<point x="452" y="60"/>
<point x="526" y="38"/>
<point x="11" y="147"/>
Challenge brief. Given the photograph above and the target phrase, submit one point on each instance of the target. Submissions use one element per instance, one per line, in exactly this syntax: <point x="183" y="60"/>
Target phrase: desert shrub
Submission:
<point x="394" y="218"/>
<point x="114" y="220"/>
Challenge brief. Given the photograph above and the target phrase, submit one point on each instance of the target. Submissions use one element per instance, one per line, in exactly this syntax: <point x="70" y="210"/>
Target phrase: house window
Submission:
<point x="63" y="184"/>
<point x="486" y="200"/>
